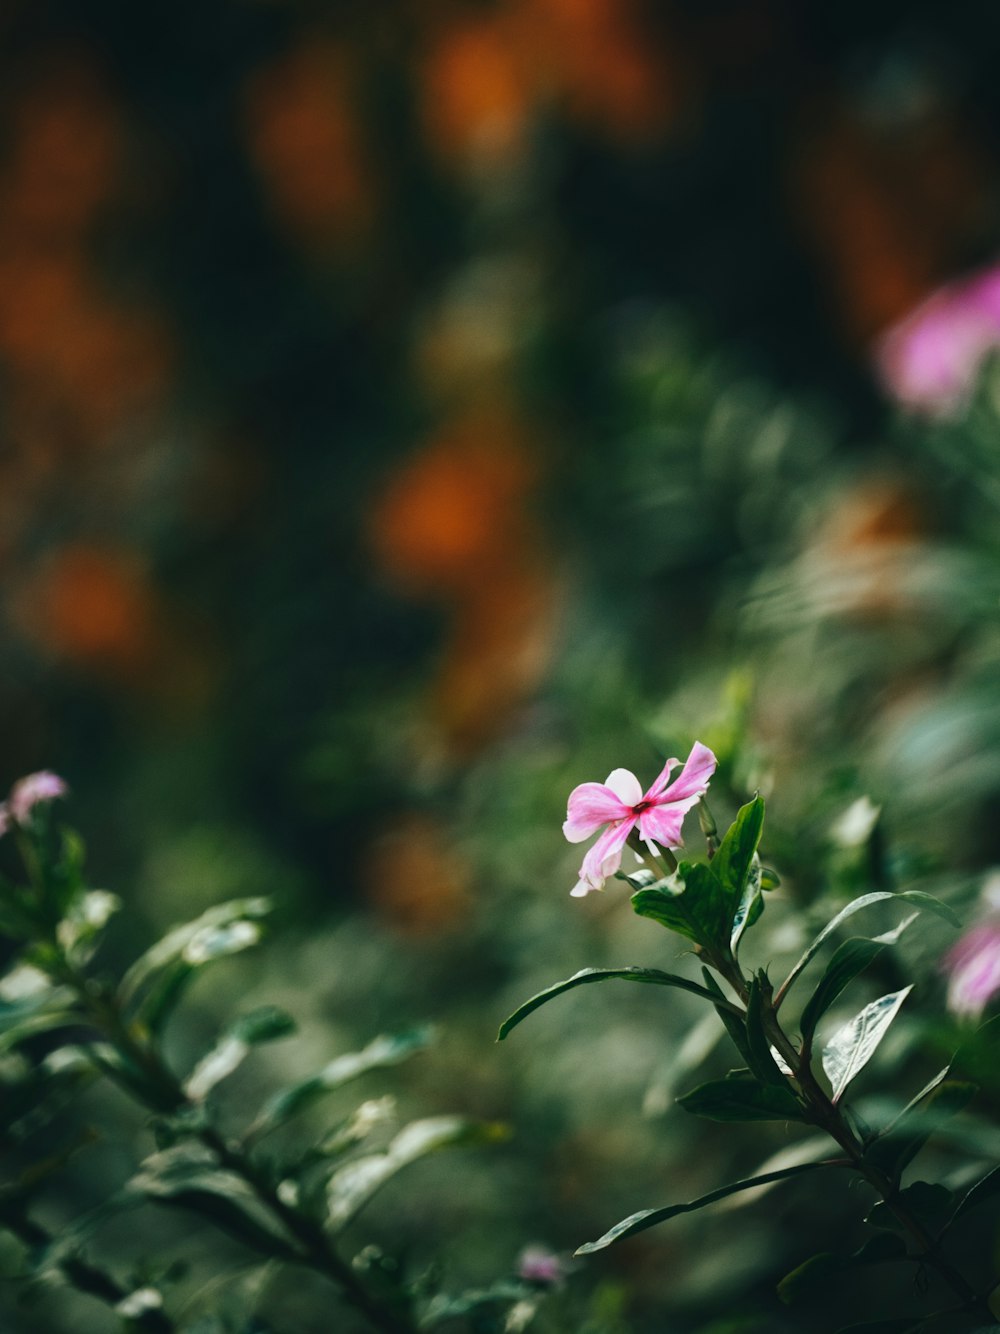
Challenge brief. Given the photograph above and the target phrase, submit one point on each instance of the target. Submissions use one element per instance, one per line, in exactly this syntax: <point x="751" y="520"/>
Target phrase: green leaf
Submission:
<point x="903" y="1139"/>
<point x="352" y="1186"/>
<point x="648" y="1218"/>
<point x="762" y="1061"/>
<point x="913" y="896"/>
<point x="80" y="930"/>
<point x="388" y="1049"/>
<point x="737" y="868"/>
<point x="733" y="1021"/>
<point x="984" y="1189"/>
<point x="762" y="1058"/>
<point x="266" y="1024"/>
<point x="191" y="1179"/>
<point x="691" y="902"/>
<point x="585" y="976"/>
<point x="883" y="1248"/>
<point x="712" y="904"/>
<point x="926" y="1200"/>
<point x="154" y="983"/>
<point x="852" y="1047"/>
<point x="742" y="1100"/>
<point x="749" y="909"/>
<point x="850" y="958"/>
<point x="29" y="1004"/>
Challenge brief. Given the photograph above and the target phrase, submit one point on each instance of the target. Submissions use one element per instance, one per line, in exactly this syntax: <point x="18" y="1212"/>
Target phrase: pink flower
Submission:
<point x="929" y="359"/>
<point x="973" y="966"/>
<point x="29" y="792"/>
<point x="621" y="804"/>
<point x="537" y="1264"/>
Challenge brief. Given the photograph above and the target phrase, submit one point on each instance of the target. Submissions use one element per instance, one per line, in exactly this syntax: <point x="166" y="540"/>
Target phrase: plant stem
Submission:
<point x="823" y="1112"/>
<point x="83" y="1275"/>
<point x="164" y="1094"/>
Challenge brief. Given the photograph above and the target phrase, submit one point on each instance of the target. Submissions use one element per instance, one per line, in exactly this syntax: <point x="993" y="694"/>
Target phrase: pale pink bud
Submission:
<point x="29" y="792"/>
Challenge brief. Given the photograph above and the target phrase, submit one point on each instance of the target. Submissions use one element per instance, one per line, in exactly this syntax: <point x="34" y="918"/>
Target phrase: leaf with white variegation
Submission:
<point x="353" y="1185"/>
<point x="155" y="982"/>
<point x="386" y="1050"/>
<point x="852" y="1047"/>
<point x="266" y="1024"/>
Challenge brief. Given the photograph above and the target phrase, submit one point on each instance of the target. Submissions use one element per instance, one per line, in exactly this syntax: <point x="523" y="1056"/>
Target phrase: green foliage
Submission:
<point x="155" y="983"/>
<point x="850" y="958"/>
<point x="739" y="1099"/>
<point x="882" y="1249"/>
<point x="852" y="1047"/>
<point x="648" y="1218"/>
<point x="900" y="1142"/>
<point x="712" y="904"/>
<point x="283" y="1212"/>
<point x="651" y="976"/>
<point x="919" y="899"/>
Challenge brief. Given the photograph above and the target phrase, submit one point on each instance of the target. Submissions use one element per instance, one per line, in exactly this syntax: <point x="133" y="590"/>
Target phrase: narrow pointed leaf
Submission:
<point x="190" y="1179"/>
<point x="733" y="1022"/>
<point x="762" y="1063"/>
<point x="742" y="1100"/>
<point x="850" y="958"/>
<point x="986" y="1188"/>
<point x="585" y="976"/>
<point x="915" y="897"/>
<point x="900" y="1142"/>
<point x="352" y="1186"/>
<point x="926" y="1200"/>
<point x="154" y="983"/>
<point x="749" y="908"/>
<point x="386" y="1050"/>
<point x="853" y="1046"/>
<point x="883" y="1248"/>
<point x="648" y="1218"/>
<point x="266" y="1024"/>
<point x="736" y="852"/>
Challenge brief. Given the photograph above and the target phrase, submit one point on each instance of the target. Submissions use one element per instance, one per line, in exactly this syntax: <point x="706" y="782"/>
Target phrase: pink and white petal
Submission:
<point x="624" y="784"/>
<point x="590" y="806"/>
<point x="661" y="781"/>
<point x="605" y="857"/>
<point x="692" y="780"/>
<point x="662" y="824"/>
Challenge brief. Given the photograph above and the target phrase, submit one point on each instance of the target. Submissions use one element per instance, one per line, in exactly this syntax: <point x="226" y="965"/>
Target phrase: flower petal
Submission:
<point x="27" y="793"/>
<point x="692" y="781"/>
<point x="605" y="857"/>
<point x="590" y="806"/>
<point x="624" y="784"/>
<point x="662" y="824"/>
<point x="661" y="781"/>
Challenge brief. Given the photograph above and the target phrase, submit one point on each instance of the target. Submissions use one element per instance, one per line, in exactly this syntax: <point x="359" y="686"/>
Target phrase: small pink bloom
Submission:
<point x="973" y="967"/>
<point x="929" y="360"/>
<point x="536" y="1264"/>
<point x="620" y="804"/>
<point x="29" y="792"/>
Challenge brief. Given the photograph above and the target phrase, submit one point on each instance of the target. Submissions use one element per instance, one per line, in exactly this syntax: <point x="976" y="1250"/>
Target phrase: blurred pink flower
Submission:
<point x="620" y="803"/>
<point x="973" y="967"/>
<point x="929" y="360"/>
<point x="29" y="792"/>
<point x="537" y="1264"/>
